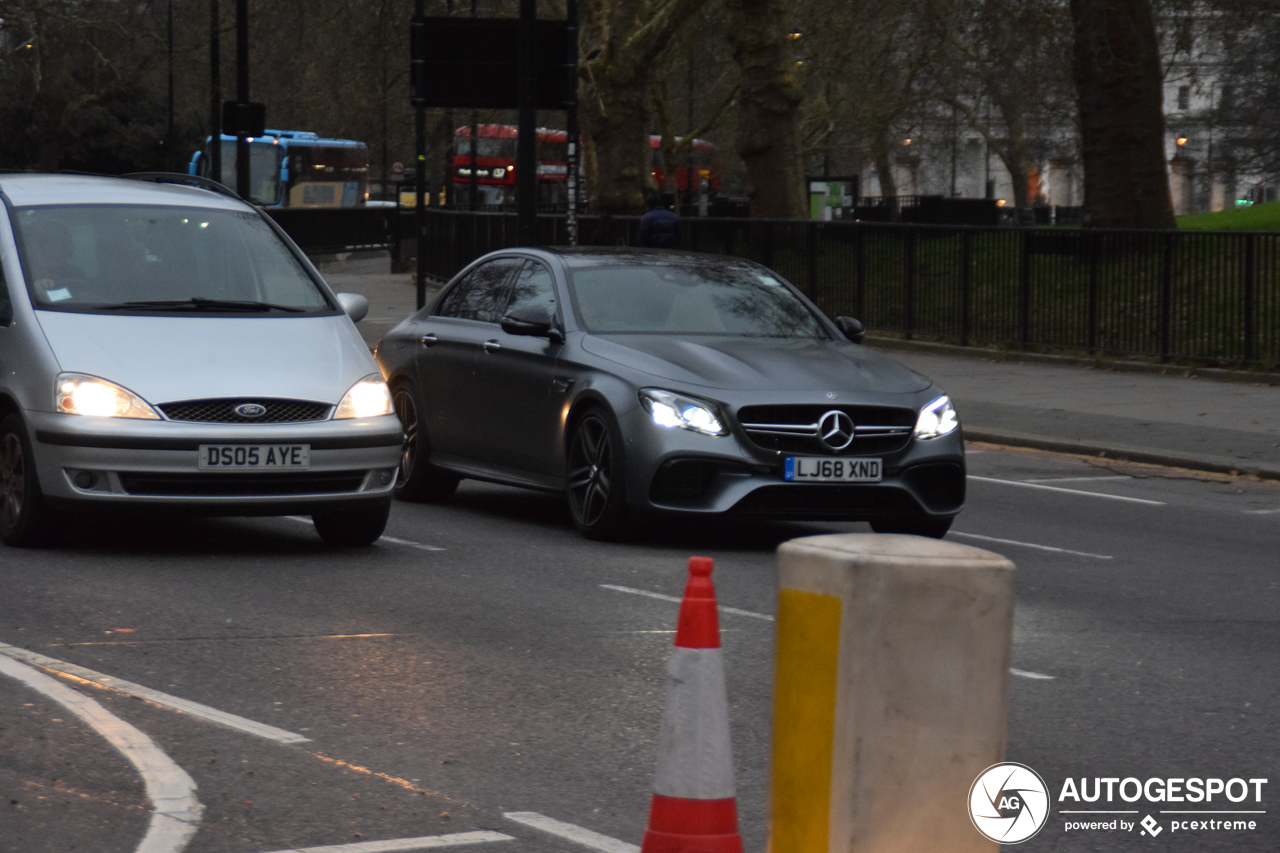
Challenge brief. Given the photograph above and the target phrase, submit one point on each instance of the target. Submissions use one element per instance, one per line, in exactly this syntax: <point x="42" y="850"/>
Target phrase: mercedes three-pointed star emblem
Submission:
<point x="836" y="429"/>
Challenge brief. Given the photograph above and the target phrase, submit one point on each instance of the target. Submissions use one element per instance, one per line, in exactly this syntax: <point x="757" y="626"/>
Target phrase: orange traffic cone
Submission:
<point x="694" y="807"/>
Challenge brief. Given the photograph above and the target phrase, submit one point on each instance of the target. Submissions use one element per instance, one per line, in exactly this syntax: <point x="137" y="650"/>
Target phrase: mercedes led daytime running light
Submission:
<point x="368" y="398"/>
<point x="78" y="394"/>
<point x="675" y="410"/>
<point x="937" y="419"/>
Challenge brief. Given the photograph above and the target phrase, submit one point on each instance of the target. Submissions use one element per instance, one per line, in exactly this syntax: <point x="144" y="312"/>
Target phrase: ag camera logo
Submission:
<point x="1008" y="803"/>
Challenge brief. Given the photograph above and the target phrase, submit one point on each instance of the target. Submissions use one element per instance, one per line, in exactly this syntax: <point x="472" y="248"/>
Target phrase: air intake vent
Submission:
<point x="246" y="411"/>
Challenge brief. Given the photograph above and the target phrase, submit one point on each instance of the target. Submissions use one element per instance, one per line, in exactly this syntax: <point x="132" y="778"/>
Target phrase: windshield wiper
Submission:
<point x="200" y="303"/>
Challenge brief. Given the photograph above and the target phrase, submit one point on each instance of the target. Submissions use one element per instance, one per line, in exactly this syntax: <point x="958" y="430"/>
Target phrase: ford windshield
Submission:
<point x="122" y="259"/>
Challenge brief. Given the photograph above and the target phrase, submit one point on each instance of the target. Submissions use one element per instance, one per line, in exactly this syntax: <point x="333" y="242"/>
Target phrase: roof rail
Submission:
<point x="182" y="178"/>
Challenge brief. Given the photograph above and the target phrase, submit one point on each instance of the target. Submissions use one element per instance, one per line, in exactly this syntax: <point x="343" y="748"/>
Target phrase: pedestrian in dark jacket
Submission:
<point x="659" y="228"/>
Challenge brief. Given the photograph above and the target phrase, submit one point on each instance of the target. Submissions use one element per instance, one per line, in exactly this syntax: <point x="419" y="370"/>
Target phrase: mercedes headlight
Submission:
<point x="79" y="394"/>
<point x="937" y="419"/>
<point x="368" y="398"/>
<point x="675" y="410"/>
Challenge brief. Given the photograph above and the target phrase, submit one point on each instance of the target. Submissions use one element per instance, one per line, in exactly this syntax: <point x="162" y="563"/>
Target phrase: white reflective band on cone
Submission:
<point x="695" y="761"/>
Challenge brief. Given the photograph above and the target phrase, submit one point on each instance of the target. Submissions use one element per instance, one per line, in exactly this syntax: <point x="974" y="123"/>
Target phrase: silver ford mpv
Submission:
<point x="167" y="347"/>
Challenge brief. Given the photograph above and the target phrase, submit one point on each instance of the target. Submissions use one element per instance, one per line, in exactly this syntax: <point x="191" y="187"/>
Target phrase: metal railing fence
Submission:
<point x="1205" y="297"/>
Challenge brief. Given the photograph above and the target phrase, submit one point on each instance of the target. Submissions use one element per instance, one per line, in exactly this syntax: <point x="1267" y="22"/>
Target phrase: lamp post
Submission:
<point x="243" y="184"/>
<point x="215" y="92"/>
<point x="170" y="157"/>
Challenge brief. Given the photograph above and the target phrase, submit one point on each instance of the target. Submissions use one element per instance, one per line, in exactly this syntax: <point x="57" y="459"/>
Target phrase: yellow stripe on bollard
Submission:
<point x="804" y="716"/>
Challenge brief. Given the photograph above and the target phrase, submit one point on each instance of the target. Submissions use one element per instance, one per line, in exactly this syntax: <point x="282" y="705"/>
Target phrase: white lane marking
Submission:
<point x="661" y="597"/>
<point x="383" y="538"/>
<point x="184" y="706"/>
<point x="1261" y="511"/>
<point x="1030" y="545"/>
<point x="404" y="845"/>
<point x="1022" y="673"/>
<point x="1074" y="479"/>
<point x="417" y="545"/>
<point x="1068" y="491"/>
<point x="223" y="640"/>
<point x="572" y="832"/>
<point x="176" y="812"/>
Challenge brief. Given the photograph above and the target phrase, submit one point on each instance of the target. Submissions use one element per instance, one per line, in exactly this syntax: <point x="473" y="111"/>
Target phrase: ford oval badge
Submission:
<point x="250" y="410"/>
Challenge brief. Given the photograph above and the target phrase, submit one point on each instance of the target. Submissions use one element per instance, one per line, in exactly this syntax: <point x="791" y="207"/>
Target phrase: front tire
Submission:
<point x="24" y="519"/>
<point x="597" y="493"/>
<point x="353" y="528"/>
<point x="418" y="480"/>
<point x="934" y="528"/>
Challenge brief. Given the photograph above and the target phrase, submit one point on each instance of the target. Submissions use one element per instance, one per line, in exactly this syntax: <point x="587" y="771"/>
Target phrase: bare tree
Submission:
<point x="676" y="145"/>
<point x="620" y="41"/>
<point x="1006" y="69"/>
<point x="869" y="62"/>
<point x="1240" y="35"/>
<point x="1118" y="81"/>
<point x="82" y="85"/>
<point x="768" y="108"/>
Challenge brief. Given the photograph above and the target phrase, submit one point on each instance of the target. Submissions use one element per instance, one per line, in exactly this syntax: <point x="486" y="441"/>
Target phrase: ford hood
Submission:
<point x="165" y="359"/>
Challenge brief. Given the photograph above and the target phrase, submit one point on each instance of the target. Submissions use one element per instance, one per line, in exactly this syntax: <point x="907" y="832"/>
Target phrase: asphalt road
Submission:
<point x="473" y="662"/>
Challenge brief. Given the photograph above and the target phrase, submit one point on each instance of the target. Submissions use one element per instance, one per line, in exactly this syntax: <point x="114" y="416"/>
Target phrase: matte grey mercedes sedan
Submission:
<point x="648" y="382"/>
<point x="167" y="348"/>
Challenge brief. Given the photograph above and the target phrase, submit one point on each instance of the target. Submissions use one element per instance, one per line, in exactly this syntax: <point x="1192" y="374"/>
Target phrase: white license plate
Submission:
<point x="254" y="457"/>
<point x="820" y="469"/>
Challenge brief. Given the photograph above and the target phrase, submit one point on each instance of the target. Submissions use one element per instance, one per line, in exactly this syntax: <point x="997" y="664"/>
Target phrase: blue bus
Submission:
<point x="295" y="168"/>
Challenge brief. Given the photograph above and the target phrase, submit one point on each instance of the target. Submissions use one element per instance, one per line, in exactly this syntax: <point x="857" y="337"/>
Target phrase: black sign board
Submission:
<point x="243" y="119"/>
<point x="473" y="63"/>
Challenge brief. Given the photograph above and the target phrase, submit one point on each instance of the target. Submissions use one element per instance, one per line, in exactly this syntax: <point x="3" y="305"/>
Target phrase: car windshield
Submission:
<point x="154" y="259"/>
<point x="689" y="297"/>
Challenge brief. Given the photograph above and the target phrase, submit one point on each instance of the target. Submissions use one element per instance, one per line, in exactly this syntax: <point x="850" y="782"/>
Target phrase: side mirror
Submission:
<point x="851" y="329"/>
<point x="534" y="322"/>
<point x="356" y="306"/>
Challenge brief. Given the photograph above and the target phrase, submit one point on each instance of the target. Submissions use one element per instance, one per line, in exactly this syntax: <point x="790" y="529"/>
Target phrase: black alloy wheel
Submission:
<point x="23" y="521"/>
<point x="597" y="498"/>
<point x="934" y="528"/>
<point x="352" y="528"/>
<point x="418" y="479"/>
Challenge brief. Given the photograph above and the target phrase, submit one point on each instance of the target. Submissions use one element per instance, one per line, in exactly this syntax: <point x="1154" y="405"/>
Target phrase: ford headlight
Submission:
<point x="675" y="410"/>
<point x="79" y="394"/>
<point x="368" y="398"/>
<point x="937" y="419"/>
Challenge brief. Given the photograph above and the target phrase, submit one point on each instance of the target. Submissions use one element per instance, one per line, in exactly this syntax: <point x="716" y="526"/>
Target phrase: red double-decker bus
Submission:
<point x="495" y="165"/>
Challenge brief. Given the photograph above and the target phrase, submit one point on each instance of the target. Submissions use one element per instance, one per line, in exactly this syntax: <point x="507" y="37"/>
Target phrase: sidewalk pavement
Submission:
<point x="1069" y="405"/>
<point x="1199" y="423"/>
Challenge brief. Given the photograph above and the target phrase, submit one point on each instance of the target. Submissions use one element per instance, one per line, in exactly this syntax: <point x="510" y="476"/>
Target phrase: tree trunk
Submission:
<point x="1013" y="153"/>
<point x="884" y="166"/>
<point x="768" y="109"/>
<point x="1118" y="82"/>
<point x="615" y="129"/>
<point x="618" y="49"/>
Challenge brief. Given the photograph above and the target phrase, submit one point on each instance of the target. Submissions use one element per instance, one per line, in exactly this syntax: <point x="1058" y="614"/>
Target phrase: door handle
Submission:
<point x="428" y="339"/>
<point x="490" y="346"/>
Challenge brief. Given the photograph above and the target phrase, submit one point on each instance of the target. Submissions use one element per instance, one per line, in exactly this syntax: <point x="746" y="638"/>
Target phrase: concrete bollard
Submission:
<point x="890" y="692"/>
